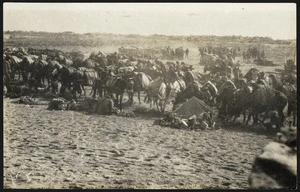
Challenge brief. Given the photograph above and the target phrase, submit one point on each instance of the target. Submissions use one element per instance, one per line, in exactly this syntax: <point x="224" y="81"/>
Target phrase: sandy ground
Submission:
<point x="67" y="149"/>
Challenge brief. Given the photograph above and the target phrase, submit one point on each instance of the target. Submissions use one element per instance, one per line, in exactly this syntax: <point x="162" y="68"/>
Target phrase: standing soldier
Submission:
<point x="172" y="54"/>
<point x="187" y="53"/>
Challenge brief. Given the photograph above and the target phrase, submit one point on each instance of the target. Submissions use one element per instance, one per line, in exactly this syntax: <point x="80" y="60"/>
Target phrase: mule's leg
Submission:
<point x="20" y="73"/>
<point x="265" y="116"/>
<point x="255" y="119"/>
<point x="248" y="118"/>
<point x="281" y="115"/>
<point x="121" y="98"/>
<point x="157" y="104"/>
<point x="42" y="81"/>
<point x="12" y="75"/>
<point x="83" y="89"/>
<point x="139" y="97"/>
<point x="7" y="83"/>
<point x="93" y="91"/>
<point x="131" y="98"/>
<point x="294" y="118"/>
<point x="161" y="105"/>
<point x="117" y="101"/>
<point x="48" y="82"/>
<point x="225" y="113"/>
<point x="45" y="80"/>
<point x="128" y="101"/>
<point x="104" y="92"/>
<point x="244" y="115"/>
<point x="234" y="118"/>
<point x="100" y="91"/>
<point x="24" y="76"/>
<point x="54" y="86"/>
<point x="147" y="98"/>
<point x="289" y="110"/>
<point x="150" y="101"/>
<point x="77" y="89"/>
<point x="62" y="89"/>
<point x="164" y="106"/>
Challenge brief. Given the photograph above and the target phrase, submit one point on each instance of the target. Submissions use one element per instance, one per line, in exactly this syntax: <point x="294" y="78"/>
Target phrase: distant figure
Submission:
<point x="187" y="53"/>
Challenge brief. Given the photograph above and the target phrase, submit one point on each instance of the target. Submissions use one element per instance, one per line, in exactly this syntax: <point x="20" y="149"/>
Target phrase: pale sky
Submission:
<point x="275" y="20"/>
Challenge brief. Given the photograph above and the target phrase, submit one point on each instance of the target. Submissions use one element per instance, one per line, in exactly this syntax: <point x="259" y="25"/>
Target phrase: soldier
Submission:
<point x="187" y="53"/>
<point x="69" y="94"/>
<point x="260" y="79"/>
<point x="275" y="120"/>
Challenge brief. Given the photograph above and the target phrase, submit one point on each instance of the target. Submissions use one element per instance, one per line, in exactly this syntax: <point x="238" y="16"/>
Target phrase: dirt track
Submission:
<point x="67" y="149"/>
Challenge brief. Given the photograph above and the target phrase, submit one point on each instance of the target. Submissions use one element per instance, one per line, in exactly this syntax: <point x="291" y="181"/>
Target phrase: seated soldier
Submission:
<point x="54" y="86"/>
<point x="260" y="79"/>
<point x="207" y="118"/>
<point x="254" y="85"/>
<point x="274" y="121"/>
<point x="204" y="121"/>
<point x="68" y="94"/>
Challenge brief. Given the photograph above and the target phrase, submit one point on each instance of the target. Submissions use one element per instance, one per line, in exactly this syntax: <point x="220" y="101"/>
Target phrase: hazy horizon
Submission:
<point x="274" y="20"/>
<point x="144" y="35"/>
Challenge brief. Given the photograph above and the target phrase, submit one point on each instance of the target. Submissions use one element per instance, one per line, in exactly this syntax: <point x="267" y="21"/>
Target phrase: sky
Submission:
<point x="275" y="20"/>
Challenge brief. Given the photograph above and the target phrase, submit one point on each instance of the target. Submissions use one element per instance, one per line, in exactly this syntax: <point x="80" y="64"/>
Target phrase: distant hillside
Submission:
<point x="277" y="50"/>
<point x="22" y="38"/>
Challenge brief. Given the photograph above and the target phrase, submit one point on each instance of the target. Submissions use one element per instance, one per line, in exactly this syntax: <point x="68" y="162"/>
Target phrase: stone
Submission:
<point x="275" y="167"/>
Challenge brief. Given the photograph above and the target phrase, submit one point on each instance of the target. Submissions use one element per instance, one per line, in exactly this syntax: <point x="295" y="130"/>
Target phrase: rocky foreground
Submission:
<point x="67" y="149"/>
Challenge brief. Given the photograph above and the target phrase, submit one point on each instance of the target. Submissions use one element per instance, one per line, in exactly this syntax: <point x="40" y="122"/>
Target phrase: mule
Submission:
<point x="141" y="83"/>
<point x="116" y="85"/>
<point x="158" y="94"/>
<point x="291" y="92"/>
<point x="176" y="87"/>
<point x="265" y="99"/>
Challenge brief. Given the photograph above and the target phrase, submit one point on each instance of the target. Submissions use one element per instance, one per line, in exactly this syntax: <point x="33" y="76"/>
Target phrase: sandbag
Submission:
<point x="104" y="106"/>
<point x="276" y="166"/>
<point x="17" y="91"/>
<point x="28" y="101"/>
<point x="126" y="114"/>
<point x="171" y="120"/>
<point x="87" y="105"/>
<point x="58" y="104"/>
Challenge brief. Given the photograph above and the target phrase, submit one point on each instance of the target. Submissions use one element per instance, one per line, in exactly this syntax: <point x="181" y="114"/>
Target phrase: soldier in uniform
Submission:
<point x="187" y="53"/>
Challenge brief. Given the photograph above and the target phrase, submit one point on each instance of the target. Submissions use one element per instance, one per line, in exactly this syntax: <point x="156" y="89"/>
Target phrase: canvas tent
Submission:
<point x="193" y="106"/>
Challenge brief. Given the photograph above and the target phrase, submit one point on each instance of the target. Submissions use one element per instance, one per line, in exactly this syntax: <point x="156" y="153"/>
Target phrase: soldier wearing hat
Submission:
<point x="260" y="78"/>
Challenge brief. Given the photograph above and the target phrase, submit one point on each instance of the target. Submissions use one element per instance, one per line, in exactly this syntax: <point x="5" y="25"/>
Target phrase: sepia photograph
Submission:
<point x="149" y="96"/>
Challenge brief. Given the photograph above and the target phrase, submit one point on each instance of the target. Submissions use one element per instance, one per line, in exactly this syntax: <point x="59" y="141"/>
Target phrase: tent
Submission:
<point x="193" y="106"/>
